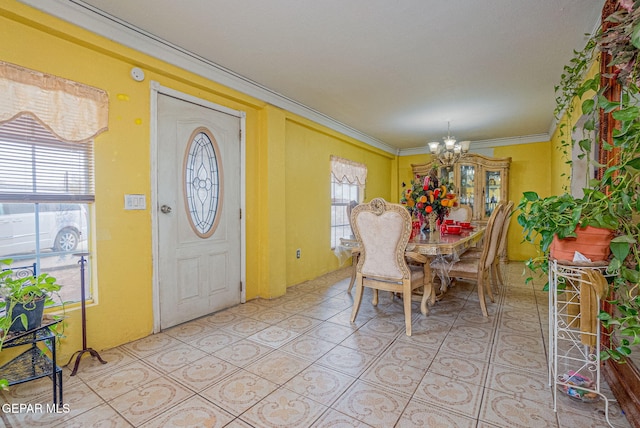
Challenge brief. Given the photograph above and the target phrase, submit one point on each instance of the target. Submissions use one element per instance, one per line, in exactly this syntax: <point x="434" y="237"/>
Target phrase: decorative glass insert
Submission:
<point x="202" y="182"/>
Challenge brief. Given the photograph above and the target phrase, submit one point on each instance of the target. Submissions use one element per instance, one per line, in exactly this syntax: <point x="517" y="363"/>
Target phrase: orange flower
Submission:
<point x="428" y="209"/>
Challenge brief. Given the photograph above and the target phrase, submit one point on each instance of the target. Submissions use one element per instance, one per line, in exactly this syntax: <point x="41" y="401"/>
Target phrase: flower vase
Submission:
<point x="433" y="218"/>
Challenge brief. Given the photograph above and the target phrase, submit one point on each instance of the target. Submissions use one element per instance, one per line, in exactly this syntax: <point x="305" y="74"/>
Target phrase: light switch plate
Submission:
<point x="135" y="202"/>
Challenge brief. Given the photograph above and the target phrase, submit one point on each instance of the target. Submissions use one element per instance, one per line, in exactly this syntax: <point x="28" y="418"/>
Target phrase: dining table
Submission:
<point x="437" y="245"/>
<point x="445" y="247"/>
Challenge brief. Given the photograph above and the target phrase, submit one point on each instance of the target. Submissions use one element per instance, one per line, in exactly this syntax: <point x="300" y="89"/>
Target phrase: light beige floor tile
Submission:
<point x="307" y="347"/>
<point x="461" y="397"/>
<point x="492" y="368"/>
<point x="238" y="423"/>
<point x="521" y="358"/>
<point x="274" y="336"/>
<point x="193" y="412"/>
<point x="123" y="380"/>
<point x="299" y="323"/>
<point x="505" y="339"/>
<point x="471" y="348"/>
<point x="174" y="358"/>
<point x="521" y="384"/>
<point x="151" y="345"/>
<point x="188" y="330"/>
<point x="246" y="327"/>
<point x="372" y="404"/>
<point x="243" y="310"/>
<point x="150" y="400"/>
<point x="592" y="418"/>
<point x="460" y="368"/>
<point x="284" y="408"/>
<point x="398" y="377"/>
<point x="504" y="410"/>
<point x="418" y="415"/>
<point x="518" y="326"/>
<point x="321" y="384"/>
<point x="243" y="352"/>
<point x="346" y="360"/>
<point x="271" y="316"/>
<point x="373" y="344"/>
<point x="334" y="419"/>
<point x="90" y="367"/>
<point x="407" y="353"/>
<point x="101" y="416"/>
<point x="239" y="391"/>
<point x="278" y="367"/>
<point x="203" y="373"/>
<point x="77" y="399"/>
<point x="385" y="326"/>
<point x="331" y="332"/>
<point x="214" y="340"/>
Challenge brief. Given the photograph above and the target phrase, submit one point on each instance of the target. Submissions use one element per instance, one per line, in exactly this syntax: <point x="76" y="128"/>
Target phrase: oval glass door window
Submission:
<point x="202" y="182"/>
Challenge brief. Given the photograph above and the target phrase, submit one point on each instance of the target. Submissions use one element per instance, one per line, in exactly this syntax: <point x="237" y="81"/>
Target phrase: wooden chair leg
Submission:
<point x="499" y="274"/>
<point x="374" y="302"/>
<point x="483" y="303"/>
<point x="488" y="288"/>
<point x="358" y="299"/>
<point x="354" y="263"/>
<point x="406" y="299"/>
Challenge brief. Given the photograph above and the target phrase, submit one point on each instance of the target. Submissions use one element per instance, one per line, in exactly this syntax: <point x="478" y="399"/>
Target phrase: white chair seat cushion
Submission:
<point x="467" y="266"/>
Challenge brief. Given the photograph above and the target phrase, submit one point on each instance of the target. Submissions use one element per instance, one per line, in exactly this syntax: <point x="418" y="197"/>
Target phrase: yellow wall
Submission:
<point x="529" y="171"/>
<point x="308" y="193"/>
<point x="276" y="141"/>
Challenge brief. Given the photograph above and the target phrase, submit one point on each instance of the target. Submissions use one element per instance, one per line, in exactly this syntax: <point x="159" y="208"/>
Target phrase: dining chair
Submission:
<point x="479" y="268"/>
<point x="383" y="230"/>
<point x="461" y="213"/>
<point x="496" y="273"/>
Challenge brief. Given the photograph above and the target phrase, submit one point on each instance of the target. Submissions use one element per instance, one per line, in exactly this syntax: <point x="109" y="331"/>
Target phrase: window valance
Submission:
<point x="346" y="171"/>
<point x="72" y="111"/>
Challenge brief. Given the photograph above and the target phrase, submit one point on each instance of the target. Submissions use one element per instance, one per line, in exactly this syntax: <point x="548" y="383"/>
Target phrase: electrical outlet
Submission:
<point x="298" y="253"/>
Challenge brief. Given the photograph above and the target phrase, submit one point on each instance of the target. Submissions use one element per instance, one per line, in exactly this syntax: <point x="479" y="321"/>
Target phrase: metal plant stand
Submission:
<point x="574" y="351"/>
<point x="84" y="349"/>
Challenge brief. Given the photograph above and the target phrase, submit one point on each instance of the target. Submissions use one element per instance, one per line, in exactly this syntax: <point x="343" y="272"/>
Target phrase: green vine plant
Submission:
<point x="612" y="202"/>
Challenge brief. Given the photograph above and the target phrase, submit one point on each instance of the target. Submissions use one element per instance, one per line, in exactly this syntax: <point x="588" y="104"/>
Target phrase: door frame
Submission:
<point x="156" y="90"/>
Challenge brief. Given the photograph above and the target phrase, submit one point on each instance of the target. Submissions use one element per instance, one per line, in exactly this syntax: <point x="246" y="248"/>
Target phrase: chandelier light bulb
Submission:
<point x="449" y="152"/>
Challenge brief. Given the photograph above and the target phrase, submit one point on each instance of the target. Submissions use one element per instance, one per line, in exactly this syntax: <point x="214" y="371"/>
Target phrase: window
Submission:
<point x="347" y="188"/>
<point x="45" y="188"/>
<point x="47" y="126"/>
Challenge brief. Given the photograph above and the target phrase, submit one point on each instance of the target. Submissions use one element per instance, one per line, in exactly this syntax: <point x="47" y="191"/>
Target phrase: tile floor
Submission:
<point x="297" y="361"/>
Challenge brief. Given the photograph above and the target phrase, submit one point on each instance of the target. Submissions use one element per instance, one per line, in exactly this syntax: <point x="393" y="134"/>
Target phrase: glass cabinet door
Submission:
<point x="492" y="192"/>
<point x="467" y="187"/>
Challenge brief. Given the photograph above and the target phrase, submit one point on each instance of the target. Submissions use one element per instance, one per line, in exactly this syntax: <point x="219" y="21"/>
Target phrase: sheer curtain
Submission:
<point x="72" y="111"/>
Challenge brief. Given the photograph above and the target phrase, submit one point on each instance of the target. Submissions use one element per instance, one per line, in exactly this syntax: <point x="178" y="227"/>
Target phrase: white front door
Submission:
<point x="198" y="197"/>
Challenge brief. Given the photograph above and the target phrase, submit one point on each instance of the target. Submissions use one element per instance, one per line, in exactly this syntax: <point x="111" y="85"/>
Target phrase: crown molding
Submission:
<point x="96" y="21"/>
<point x="485" y="144"/>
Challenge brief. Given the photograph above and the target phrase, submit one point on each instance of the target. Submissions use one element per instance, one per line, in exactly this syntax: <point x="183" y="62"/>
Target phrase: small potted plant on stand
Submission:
<point x="23" y="300"/>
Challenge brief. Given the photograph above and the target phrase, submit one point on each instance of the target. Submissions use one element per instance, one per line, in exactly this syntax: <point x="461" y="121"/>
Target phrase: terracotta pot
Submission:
<point x="592" y="242"/>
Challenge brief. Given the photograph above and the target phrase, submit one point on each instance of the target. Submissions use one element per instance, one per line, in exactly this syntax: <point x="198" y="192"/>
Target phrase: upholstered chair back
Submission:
<point x="383" y="230"/>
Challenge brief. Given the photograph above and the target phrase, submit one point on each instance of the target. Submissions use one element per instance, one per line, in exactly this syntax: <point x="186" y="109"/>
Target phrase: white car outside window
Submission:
<point x="60" y="227"/>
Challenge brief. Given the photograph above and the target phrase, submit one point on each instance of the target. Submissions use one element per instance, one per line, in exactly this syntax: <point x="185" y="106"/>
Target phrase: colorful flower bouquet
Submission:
<point x="426" y="198"/>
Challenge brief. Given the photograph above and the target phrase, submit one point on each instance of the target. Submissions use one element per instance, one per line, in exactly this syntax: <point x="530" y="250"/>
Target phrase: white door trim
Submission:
<point x="156" y="89"/>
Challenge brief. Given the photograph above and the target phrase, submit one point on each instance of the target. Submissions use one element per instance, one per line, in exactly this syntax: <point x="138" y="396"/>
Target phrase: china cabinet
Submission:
<point x="480" y="181"/>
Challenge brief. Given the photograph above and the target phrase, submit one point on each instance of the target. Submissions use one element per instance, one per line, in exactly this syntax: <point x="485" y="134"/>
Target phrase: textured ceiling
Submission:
<point x="396" y="70"/>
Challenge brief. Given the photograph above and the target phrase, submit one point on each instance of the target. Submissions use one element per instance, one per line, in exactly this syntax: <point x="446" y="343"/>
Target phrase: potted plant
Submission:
<point x="23" y="299"/>
<point x="611" y="202"/>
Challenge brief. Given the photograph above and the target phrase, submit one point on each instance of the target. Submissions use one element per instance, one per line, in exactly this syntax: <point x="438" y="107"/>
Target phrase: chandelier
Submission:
<point x="449" y="152"/>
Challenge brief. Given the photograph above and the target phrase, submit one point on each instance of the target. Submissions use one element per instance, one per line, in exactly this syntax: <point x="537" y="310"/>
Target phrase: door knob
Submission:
<point x="166" y="209"/>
